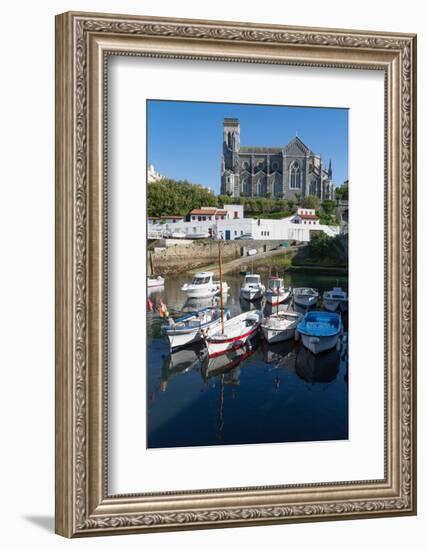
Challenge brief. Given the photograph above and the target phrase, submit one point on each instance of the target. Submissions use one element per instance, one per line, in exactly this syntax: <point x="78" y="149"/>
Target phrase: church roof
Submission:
<point x="295" y="141"/>
<point x="253" y="149"/>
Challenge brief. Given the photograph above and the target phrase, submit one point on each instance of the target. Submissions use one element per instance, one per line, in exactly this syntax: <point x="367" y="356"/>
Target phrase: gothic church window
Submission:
<point x="263" y="187"/>
<point x="277" y="187"/>
<point x="294" y="176"/>
<point x="245" y="187"/>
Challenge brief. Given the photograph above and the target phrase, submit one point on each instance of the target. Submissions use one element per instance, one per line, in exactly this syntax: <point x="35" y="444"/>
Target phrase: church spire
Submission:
<point x="330" y="169"/>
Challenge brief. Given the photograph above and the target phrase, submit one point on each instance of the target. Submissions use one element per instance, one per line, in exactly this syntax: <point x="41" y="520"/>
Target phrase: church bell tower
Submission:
<point x="230" y="157"/>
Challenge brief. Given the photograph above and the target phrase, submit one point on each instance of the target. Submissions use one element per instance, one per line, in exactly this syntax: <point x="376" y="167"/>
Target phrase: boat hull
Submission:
<point x="277" y="335"/>
<point x="306" y="301"/>
<point x="335" y="305"/>
<point x="155" y="283"/>
<point x="220" y="346"/>
<point x="178" y="339"/>
<point x="207" y="292"/>
<point x="251" y="294"/>
<point x="181" y="337"/>
<point x="318" y="344"/>
<point x="276" y="299"/>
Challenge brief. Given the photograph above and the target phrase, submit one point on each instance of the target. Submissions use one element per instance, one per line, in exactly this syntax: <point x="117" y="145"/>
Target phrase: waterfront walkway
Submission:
<point x="234" y="264"/>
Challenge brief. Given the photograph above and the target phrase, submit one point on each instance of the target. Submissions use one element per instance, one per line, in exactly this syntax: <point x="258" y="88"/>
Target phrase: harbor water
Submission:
<point x="264" y="393"/>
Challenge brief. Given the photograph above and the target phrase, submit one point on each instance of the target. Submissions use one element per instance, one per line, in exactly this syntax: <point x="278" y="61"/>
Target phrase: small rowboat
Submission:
<point x="280" y="326"/>
<point x="276" y="292"/>
<point x="189" y="328"/>
<point x="236" y="332"/>
<point x="335" y="299"/>
<point x="305" y="297"/>
<point x="157" y="282"/>
<point x="320" y="330"/>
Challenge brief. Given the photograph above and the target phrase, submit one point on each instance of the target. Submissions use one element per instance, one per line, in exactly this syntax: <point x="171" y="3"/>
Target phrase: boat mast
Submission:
<point x="220" y="287"/>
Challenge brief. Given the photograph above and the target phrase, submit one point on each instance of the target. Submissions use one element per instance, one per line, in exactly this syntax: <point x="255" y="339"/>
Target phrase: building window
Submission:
<point x="236" y="215"/>
<point x="200" y="218"/>
<point x="235" y="233"/>
<point x="277" y="187"/>
<point x="294" y="176"/>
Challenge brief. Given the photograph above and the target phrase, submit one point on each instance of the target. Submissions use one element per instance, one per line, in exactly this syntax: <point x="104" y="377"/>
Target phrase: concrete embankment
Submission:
<point x="166" y="258"/>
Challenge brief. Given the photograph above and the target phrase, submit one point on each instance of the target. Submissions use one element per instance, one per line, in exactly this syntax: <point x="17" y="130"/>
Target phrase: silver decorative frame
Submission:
<point x="83" y="42"/>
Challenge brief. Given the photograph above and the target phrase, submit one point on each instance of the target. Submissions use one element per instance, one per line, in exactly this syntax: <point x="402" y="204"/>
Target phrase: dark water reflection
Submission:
<point x="269" y="393"/>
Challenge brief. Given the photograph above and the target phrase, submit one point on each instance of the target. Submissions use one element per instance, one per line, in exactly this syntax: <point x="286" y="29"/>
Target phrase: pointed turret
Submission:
<point x="330" y="169"/>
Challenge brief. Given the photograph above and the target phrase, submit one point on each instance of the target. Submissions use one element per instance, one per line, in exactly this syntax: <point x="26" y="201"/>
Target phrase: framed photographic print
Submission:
<point x="235" y="274"/>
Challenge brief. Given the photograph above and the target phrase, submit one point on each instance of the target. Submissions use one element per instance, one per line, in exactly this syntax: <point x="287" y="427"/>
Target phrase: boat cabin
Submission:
<point x="251" y="279"/>
<point x="275" y="283"/>
<point x="203" y="278"/>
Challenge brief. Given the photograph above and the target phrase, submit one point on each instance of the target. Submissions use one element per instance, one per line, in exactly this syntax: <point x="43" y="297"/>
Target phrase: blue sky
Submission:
<point x="185" y="138"/>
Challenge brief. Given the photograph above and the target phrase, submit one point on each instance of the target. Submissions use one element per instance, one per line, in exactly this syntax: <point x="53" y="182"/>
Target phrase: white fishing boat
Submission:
<point x="252" y="288"/>
<point x="204" y="286"/>
<point x="280" y="326"/>
<point x="155" y="282"/>
<point x="320" y="330"/>
<point x="189" y="328"/>
<point x="305" y="297"/>
<point x="276" y="292"/>
<point x="335" y="299"/>
<point x="233" y="333"/>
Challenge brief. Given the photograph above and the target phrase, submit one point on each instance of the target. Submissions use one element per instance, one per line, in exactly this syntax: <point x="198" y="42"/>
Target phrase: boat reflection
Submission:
<point x="195" y="304"/>
<point x="225" y="363"/>
<point x="322" y="368"/>
<point x="246" y="305"/>
<point x="281" y="355"/>
<point x="181" y="362"/>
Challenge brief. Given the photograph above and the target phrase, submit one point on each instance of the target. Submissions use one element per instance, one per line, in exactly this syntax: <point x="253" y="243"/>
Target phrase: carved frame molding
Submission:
<point x="83" y="44"/>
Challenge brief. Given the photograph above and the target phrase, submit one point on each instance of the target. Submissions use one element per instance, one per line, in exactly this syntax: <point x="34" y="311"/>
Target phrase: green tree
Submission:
<point x="328" y="207"/>
<point x="341" y="193"/>
<point x="169" y="197"/>
<point x="311" y="201"/>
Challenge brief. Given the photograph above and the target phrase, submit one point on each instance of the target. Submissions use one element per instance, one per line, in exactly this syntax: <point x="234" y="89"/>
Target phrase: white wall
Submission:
<point x="27" y="318"/>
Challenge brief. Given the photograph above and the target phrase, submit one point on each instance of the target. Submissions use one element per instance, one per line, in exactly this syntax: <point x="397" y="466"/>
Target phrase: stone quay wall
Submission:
<point x="176" y="258"/>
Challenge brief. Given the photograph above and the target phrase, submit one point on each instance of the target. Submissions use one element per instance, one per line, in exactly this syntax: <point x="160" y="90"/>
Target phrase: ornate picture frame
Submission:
<point x="83" y="44"/>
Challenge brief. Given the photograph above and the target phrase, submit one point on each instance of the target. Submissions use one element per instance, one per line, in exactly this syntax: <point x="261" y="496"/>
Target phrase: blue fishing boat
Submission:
<point x="320" y="330"/>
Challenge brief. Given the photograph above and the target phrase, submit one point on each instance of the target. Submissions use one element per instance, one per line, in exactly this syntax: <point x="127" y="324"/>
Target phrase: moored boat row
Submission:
<point x="319" y="330"/>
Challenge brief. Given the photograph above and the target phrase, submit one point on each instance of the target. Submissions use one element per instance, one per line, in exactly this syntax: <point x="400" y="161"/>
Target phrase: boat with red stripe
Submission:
<point x="234" y="333"/>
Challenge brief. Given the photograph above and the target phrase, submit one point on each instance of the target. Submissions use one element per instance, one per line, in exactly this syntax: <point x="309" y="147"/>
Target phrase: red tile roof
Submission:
<point x="308" y="216"/>
<point x="208" y="212"/>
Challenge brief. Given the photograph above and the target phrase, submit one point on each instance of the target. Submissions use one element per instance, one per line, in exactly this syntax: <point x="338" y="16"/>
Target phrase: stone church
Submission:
<point x="277" y="172"/>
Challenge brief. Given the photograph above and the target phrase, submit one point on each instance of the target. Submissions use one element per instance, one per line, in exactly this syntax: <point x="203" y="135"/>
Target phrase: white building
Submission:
<point x="306" y="216"/>
<point x="229" y="224"/>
